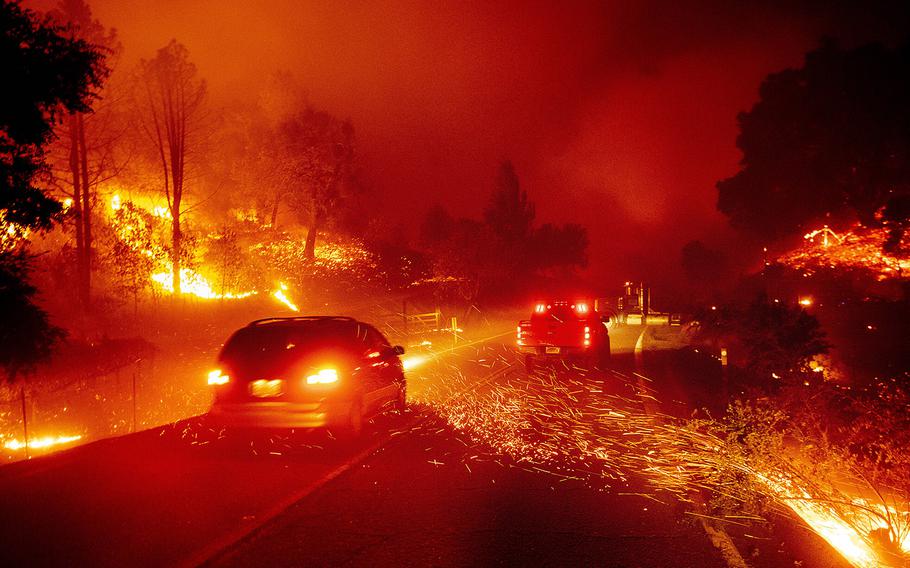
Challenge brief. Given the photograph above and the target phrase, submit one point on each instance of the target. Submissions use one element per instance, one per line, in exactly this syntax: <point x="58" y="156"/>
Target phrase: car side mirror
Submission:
<point x="398" y="350"/>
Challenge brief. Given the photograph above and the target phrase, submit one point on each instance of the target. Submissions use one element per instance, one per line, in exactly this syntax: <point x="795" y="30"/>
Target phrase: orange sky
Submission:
<point x="621" y="115"/>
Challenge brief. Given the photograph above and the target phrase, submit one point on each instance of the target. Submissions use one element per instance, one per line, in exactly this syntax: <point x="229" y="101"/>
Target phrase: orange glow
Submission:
<point x="581" y="308"/>
<point x="413" y="361"/>
<point x="806" y="301"/>
<point x="45" y="442"/>
<point x="540" y="308"/>
<point x="280" y="295"/>
<point x="827" y="236"/>
<point x="11" y="234"/>
<point x="847" y="527"/>
<point x="323" y="377"/>
<point x="217" y="378"/>
<point x="194" y="284"/>
<point x="857" y="248"/>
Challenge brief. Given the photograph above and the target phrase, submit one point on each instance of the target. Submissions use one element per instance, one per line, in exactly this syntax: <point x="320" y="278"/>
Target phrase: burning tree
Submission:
<point x="133" y="251"/>
<point x="171" y="100"/>
<point x="225" y="254"/>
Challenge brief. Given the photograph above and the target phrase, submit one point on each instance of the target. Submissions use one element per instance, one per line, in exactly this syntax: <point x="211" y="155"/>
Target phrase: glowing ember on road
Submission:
<point x="36" y="443"/>
<point x="280" y="295"/>
<point x="568" y="427"/>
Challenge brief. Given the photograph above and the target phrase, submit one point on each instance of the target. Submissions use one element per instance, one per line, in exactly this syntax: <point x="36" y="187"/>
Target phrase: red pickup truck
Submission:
<point x="564" y="330"/>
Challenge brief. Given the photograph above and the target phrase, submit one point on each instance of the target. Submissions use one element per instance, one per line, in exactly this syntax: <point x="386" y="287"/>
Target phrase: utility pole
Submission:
<point x="134" y="401"/>
<point x="24" y="421"/>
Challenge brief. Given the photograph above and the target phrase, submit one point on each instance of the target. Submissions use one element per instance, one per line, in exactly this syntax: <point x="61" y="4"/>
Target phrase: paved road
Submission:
<point x="413" y="491"/>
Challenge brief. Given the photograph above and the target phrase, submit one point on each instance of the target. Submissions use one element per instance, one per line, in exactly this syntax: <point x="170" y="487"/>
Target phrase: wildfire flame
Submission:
<point x="45" y="442"/>
<point x="848" y="530"/>
<point x="280" y="295"/>
<point x="858" y="248"/>
<point x="194" y="284"/>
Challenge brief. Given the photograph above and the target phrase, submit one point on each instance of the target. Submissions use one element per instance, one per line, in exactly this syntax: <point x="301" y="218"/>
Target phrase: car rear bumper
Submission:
<point x="270" y="414"/>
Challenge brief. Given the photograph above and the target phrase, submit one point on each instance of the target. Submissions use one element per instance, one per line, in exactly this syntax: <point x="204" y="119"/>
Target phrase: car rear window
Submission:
<point x="273" y="340"/>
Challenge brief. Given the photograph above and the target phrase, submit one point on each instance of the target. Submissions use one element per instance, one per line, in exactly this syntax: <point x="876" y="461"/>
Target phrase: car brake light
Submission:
<point x="587" y="336"/>
<point x="581" y="308"/>
<point x="217" y="378"/>
<point x="323" y="377"/>
<point x="540" y="308"/>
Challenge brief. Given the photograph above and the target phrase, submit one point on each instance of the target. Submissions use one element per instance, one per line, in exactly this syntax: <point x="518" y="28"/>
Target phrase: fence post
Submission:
<point x="24" y="420"/>
<point x="134" y="401"/>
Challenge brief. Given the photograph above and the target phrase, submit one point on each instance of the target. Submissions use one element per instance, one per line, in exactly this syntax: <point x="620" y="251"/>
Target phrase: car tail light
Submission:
<point x="587" y="336"/>
<point x="323" y="377"/>
<point x="216" y="377"/>
<point x="540" y="308"/>
<point x="581" y="308"/>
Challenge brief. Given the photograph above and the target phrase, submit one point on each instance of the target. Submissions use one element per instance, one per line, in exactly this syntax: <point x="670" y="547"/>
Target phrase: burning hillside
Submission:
<point x="857" y="248"/>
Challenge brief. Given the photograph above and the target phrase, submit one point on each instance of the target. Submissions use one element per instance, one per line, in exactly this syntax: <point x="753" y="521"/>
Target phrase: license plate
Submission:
<point x="266" y="389"/>
<point x="554" y="350"/>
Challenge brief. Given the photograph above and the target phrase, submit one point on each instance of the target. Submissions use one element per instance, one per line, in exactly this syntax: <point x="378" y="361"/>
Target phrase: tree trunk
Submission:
<point x="74" y="163"/>
<point x="274" y="224"/>
<point x="86" y="283"/>
<point x="309" y="248"/>
<point x="176" y="244"/>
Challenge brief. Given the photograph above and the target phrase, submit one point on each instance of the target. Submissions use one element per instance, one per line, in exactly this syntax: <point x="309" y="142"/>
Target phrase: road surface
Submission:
<point x="418" y="489"/>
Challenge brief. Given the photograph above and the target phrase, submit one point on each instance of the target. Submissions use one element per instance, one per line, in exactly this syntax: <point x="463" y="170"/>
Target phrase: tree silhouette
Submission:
<point x="319" y="166"/>
<point x="86" y="141"/>
<point x="171" y="98"/>
<point x="510" y="214"/>
<point x="45" y="75"/>
<point x="830" y="138"/>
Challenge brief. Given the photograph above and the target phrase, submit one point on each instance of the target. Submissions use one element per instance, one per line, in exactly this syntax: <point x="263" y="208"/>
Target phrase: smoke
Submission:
<point x="618" y="115"/>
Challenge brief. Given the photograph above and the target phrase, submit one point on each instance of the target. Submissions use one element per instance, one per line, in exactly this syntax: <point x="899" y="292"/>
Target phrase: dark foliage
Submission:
<point x="832" y="137"/>
<point x="555" y="246"/>
<point x="45" y="74"/>
<point x="765" y="337"/>
<point x="701" y="263"/>
<point x="510" y="214"/>
<point x="496" y="258"/>
<point x="26" y="335"/>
